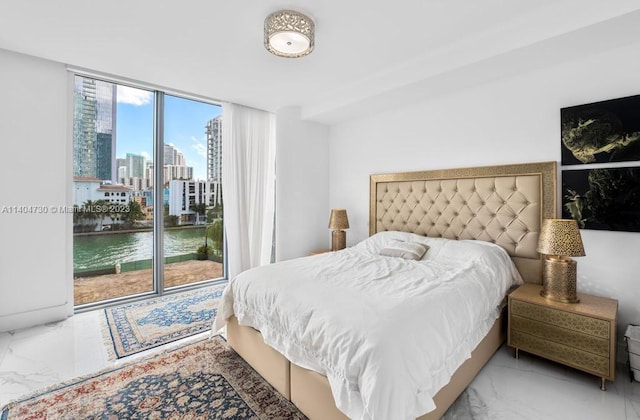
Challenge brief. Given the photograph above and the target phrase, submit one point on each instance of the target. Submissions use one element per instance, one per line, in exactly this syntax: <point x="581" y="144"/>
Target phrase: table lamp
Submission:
<point x="559" y="240"/>
<point x="337" y="222"/>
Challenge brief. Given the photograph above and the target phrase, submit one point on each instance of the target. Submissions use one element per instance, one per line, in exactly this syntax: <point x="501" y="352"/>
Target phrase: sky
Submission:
<point x="185" y="122"/>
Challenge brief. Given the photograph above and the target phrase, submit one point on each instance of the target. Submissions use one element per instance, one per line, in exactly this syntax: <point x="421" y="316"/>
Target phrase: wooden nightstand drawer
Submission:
<point x="577" y="358"/>
<point x="584" y="324"/>
<point x="588" y="343"/>
<point x="581" y="335"/>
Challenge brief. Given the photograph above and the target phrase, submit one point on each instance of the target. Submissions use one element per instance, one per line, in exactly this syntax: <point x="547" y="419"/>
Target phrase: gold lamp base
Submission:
<point x="338" y="240"/>
<point x="559" y="279"/>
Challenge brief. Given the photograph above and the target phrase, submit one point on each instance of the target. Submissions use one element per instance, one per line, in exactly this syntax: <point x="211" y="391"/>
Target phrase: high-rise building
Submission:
<point x="94" y="138"/>
<point x="214" y="149"/>
<point x="121" y="167"/>
<point x="136" y="184"/>
<point x="148" y="170"/>
<point x="104" y="157"/>
<point x="135" y="165"/>
<point x="172" y="172"/>
<point x="175" y="166"/>
<point x="173" y="156"/>
<point x="169" y="154"/>
<point x="184" y="195"/>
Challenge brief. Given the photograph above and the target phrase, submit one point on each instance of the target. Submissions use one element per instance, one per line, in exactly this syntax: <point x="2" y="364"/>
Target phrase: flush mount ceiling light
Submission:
<point x="288" y="33"/>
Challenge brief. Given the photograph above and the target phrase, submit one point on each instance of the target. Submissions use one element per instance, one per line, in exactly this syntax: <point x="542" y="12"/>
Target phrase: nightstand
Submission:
<point x="319" y="251"/>
<point x="581" y="335"/>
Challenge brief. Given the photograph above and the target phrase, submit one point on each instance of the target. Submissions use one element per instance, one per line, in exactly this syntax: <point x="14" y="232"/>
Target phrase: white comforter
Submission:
<point x="387" y="332"/>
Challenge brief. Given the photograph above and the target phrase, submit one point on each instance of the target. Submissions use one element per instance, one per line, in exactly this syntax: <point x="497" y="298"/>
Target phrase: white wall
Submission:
<point x="509" y="121"/>
<point x="35" y="249"/>
<point x="302" y="185"/>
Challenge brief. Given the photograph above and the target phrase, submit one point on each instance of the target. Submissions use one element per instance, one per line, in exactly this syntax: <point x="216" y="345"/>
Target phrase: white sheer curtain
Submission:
<point x="248" y="185"/>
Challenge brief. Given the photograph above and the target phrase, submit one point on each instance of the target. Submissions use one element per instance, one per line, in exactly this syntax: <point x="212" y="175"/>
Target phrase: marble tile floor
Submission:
<point x="35" y="358"/>
<point x="530" y="388"/>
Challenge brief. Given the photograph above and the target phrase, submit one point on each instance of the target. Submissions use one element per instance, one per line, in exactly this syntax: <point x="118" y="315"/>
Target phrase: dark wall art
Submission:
<point x="607" y="131"/>
<point x="604" y="199"/>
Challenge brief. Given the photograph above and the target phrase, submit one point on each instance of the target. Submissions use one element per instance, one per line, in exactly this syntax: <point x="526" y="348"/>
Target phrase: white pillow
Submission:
<point x="380" y="240"/>
<point x="406" y="250"/>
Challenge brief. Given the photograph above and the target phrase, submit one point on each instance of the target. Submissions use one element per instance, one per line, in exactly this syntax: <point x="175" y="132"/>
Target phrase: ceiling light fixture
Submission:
<point x="288" y="33"/>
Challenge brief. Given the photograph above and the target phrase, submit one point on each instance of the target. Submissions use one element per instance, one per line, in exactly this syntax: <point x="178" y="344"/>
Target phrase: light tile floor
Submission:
<point x="529" y="388"/>
<point x="533" y="388"/>
<point x="38" y="357"/>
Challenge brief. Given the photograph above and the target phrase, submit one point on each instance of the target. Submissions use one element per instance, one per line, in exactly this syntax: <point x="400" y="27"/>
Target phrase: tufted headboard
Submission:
<point x="501" y="204"/>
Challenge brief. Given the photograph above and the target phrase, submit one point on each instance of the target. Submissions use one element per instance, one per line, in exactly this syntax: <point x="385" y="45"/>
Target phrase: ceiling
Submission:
<point x="368" y="54"/>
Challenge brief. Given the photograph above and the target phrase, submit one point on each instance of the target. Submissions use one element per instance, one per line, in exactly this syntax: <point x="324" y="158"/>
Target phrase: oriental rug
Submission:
<point x="134" y="327"/>
<point x="202" y="380"/>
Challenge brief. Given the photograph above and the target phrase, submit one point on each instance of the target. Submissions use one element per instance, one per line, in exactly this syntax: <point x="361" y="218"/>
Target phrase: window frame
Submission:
<point x="159" y="93"/>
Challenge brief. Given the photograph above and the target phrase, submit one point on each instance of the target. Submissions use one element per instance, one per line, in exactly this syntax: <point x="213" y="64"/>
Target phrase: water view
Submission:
<point x="107" y="249"/>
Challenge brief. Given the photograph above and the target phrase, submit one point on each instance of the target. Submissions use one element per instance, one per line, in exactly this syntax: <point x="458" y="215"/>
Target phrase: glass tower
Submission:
<point x="94" y="136"/>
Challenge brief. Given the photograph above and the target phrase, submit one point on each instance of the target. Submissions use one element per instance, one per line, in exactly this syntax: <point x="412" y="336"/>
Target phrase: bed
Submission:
<point x="484" y="210"/>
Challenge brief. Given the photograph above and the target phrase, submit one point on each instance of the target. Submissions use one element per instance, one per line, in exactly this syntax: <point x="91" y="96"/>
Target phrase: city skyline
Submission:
<point x="185" y="126"/>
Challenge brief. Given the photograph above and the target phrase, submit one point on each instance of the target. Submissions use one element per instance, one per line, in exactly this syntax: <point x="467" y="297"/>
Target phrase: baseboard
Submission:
<point x="13" y="322"/>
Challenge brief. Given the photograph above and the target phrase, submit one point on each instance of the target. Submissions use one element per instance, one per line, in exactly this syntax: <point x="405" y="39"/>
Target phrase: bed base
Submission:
<point x="265" y="360"/>
<point x="310" y="391"/>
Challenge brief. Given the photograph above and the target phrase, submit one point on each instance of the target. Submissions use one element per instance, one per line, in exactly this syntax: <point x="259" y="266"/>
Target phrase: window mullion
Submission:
<point x="158" y="193"/>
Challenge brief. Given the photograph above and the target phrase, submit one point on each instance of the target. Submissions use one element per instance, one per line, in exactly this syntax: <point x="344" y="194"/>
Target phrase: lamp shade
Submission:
<point x="560" y="237"/>
<point x="288" y="33"/>
<point x="338" y="219"/>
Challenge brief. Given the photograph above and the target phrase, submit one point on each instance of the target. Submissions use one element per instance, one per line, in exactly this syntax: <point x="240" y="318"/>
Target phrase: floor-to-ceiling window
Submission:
<point x="147" y="198"/>
<point x="192" y="177"/>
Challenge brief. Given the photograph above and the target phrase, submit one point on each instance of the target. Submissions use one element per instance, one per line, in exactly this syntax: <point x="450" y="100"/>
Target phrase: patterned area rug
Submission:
<point x="204" y="380"/>
<point x="139" y="326"/>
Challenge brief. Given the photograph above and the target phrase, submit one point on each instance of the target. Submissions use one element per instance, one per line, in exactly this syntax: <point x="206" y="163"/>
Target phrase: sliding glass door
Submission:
<point x="147" y="198"/>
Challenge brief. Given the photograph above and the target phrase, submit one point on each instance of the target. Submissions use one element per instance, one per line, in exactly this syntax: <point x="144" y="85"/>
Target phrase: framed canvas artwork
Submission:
<point x="602" y="198"/>
<point x="601" y="132"/>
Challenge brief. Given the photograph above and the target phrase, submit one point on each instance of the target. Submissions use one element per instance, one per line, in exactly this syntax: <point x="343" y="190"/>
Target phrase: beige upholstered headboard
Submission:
<point x="501" y="204"/>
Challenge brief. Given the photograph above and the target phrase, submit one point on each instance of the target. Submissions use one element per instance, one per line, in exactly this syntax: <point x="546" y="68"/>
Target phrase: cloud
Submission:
<point x="146" y="155"/>
<point x="133" y="96"/>
<point x="199" y="147"/>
